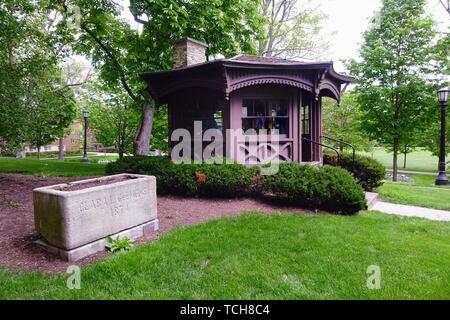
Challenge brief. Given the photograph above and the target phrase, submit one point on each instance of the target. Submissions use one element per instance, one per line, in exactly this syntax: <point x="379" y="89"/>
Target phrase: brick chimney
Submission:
<point x="187" y="52"/>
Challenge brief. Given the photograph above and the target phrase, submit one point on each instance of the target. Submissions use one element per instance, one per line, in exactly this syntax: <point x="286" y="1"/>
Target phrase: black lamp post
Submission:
<point x="85" y="116"/>
<point x="442" y="179"/>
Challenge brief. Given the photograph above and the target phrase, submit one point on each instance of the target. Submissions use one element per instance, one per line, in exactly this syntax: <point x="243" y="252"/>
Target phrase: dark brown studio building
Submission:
<point x="269" y="95"/>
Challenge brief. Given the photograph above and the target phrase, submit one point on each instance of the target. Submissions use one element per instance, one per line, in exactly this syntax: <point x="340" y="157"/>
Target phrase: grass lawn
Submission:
<point x="421" y="193"/>
<point x="418" y="160"/>
<point x="93" y="159"/>
<point x="50" y="167"/>
<point x="266" y="257"/>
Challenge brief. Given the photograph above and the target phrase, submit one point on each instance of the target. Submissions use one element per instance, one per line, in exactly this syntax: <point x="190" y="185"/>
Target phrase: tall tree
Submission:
<point x="50" y="111"/>
<point x="293" y="29"/>
<point x="160" y="136"/>
<point x="431" y="135"/>
<point x="446" y="5"/>
<point x="343" y="121"/>
<point x="30" y="51"/>
<point x="112" y="119"/>
<point x="396" y="77"/>
<point x="74" y="74"/>
<point x="17" y="34"/>
<point x="121" y="53"/>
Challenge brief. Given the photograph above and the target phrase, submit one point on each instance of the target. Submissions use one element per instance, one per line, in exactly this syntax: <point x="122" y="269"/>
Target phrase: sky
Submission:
<point x="350" y="18"/>
<point x="347" y="20"/>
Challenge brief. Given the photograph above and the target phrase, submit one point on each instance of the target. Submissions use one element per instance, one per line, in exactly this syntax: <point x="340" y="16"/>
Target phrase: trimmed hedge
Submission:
<point x="325" y="188"/>
<point x="319" y="188"/>
<point x="369" y="172"/>
<point x="203" y="180"/>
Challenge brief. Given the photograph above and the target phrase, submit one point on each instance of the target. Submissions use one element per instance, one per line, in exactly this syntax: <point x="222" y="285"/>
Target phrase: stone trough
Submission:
<point x="75" y="219"/>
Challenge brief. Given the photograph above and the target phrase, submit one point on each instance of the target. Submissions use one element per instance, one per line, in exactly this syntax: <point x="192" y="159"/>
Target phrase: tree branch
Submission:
<point x="110" y="55"/>
<point x="113" y="58"/>
<point x="446" y="6"/>
<point x="139" y="20"/>
<point x="77" y="84"/>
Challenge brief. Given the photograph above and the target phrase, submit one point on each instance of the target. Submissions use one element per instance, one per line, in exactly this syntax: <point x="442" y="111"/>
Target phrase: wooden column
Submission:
<point x="313" y="122"/>
<point x="319" y="128"/>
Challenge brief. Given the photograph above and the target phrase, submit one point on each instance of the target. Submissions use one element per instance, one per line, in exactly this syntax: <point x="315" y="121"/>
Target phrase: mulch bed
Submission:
<point x="17" y="232"/>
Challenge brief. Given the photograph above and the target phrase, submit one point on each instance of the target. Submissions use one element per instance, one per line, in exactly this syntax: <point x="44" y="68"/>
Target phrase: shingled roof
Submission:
<point x="262" y="59"/>
<point x="227" y="75"/>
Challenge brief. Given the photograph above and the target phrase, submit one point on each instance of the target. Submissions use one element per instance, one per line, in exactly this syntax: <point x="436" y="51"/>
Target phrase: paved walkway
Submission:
<point x="411" y="211"/>
<point x="415" y="172"/>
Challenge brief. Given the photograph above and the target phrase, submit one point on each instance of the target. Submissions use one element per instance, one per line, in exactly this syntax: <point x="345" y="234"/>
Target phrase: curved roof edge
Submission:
<point x="233" y="62"/>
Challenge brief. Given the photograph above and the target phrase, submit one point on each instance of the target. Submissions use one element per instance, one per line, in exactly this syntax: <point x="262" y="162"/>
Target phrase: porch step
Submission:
<point x="372" y="199"/>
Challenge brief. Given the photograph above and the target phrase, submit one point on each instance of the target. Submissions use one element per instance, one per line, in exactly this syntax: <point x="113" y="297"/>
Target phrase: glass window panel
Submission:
<point x="282" y="125"/>
<point x="260" y="108"/>
<point x="279" y="108"/>
<point x="248" y="124"/>
<point x="306" y="120"/>
<point x="218" y="119"/>
<point x="265" y="114"/>
<point x="247" y="108"/>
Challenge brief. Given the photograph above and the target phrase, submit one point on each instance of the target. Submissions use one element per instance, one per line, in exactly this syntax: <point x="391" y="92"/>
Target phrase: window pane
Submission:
<point x="265" y="114"/>
<point x="247" y="108"/>
<point x="248" y="123"/>
<point x="282" y="125"/>
<point x="260" y="108"/>
<point x="218" y="119"/>
<point x="306" y="120"/>
<point x="279" y="108"/>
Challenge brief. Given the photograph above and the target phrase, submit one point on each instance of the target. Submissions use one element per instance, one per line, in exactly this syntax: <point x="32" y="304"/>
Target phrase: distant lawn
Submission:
<point x="418" y="160"/>
<point x="50" y="167"/>
<point x="266" y="257"/>
<point x="94" y="159"/>
<point x="422" y="193"/>
<point x="76" y="158"/>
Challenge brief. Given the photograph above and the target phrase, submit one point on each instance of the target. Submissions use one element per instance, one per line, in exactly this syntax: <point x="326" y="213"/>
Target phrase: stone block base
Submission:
<point x="99" y="245"/>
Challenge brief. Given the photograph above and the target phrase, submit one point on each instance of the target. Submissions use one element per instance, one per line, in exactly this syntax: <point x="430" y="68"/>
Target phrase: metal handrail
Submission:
<point x="344" y="143"/>
<point x="326" y="146"/>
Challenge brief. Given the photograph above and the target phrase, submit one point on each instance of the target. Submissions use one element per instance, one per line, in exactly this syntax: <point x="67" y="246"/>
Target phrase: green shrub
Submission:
<point x="319" y="188"/>
<point x="7" y="150"/>
<point x="203" y="180"/>
<point x="369" y="172"/>
<point x="325" y="188"/>
<point x="228" y="180"/>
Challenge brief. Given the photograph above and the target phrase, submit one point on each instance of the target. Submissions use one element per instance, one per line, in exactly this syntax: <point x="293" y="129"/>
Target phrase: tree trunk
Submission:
<point x="39" y="152"/>
<point x="121" y="147"/>
<point x="405" y="154"/>
<point x="141" y="144"/>
<point x="11" y="56"/>
<point x="394" y="165"/>
<point x="61" y="149"/>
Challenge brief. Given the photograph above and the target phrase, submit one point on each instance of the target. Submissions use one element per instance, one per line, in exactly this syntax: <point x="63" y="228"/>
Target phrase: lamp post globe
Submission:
<point x="85" y="116"/>
<point x="443" y="95"/>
